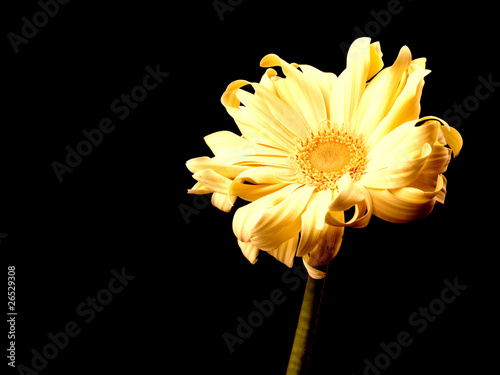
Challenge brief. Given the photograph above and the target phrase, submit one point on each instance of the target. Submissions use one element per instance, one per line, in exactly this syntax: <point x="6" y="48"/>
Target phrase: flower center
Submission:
<point x="325" y="156"/>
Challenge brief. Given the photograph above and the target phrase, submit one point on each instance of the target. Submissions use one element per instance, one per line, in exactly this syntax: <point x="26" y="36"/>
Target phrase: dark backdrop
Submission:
<point x="122" y="213"/>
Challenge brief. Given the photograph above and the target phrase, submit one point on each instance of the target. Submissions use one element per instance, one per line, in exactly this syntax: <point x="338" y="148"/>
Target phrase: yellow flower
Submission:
<point x="314" y="145"/>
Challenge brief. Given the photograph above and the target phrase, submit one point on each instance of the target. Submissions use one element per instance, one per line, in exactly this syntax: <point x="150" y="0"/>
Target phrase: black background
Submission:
<point x="120" y="208"/>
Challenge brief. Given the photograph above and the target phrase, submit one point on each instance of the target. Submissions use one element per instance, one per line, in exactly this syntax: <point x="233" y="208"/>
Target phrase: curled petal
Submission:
<point x="223" y="202"/>
<point x="284" y="213"/>
<point x="212" y="180"/>
<point x="328" y="244"/>
<point x="348" y="195"/>
<point x="285" y="253"/>
<point x="311" y="100"/>
<point x="401" y="205"/>
<point x="249" y="250"/>
<point x="247" y="216"/>
<point x="230" y="171"/>
<point x="381" y="92"/>
<point x="313" y="221"/>
<point x="358" y="66"/>
<point x="406" y="107"/>
<point x="226" y="143"/>
<point x="398" y="173"/>
<point x="362" y="211"/>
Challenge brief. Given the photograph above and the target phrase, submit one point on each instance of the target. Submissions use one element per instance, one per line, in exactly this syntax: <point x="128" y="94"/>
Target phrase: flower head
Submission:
<point x="314" y="145"/>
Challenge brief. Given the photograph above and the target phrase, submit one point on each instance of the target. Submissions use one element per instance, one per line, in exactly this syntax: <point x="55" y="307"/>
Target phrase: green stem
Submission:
<point x="306" y="327"/>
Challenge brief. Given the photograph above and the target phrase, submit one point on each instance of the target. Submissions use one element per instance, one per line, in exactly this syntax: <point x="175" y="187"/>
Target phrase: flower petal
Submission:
<point x="250" y="125"/>
<point x="399" y="173"/>
<point x="376" y="62"/>
<point x="257" y="105"/>
<point x="438" y="160"/>
<point x="381" y="93"/>
<point x="406" y="107"/>
<point x="404" y="142"/>
<point x="249" y="251"/>
<point x="348" y="195"/>
<point x="245" y="217"/>
<point x="313" y="221"/>
<point x="328" y="245"/>
<point x="284" y="213"/>
<point x="251" y="192"/>
<point x="358" y="66"/>
<point x="400" y="206"/>
<point x="324" y="81"/>
<point x="226" y="143"/>
<point x="310" y="97"/>
<point x="256" y="182"/>
<point x="285" y="253"/>
<point x="223" y="202"/>
<point x="285" y="115"/>
<point x="313" y="272"/>
<point x="230" y="171"/>
<point x="213" y="181"/>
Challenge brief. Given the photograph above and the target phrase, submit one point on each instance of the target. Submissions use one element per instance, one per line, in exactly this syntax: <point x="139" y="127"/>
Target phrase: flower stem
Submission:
<point x="306" y="327"/>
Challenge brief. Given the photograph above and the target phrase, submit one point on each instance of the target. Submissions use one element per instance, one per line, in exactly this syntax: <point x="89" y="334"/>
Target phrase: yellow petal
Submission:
<point x="257" y="105"/>
<point x="249" y="251"/>
<point x="246" y="217"/>
<point x="285" y="253"/>
<point x="213" y="181"/>
<point x="260" y="181"/>
<point x="438" y="160"/>
<point x="284" y="213"/>
<point x="337" y="101"/>
<point x="399" y="209"/>
<point x="328" y="244"/>
<point x="223" y="202"/>
<point x="393" y="146"/>
<point x="348" y="195"/>
<point x="313" y="221"/>
<point x="387" y="144"/>
<point x="199" y="189"/>
<point x="399" y="173"/>
<point x="362" y="203"/>
<point x="230" y="171"/>
<point x="376" y="62"/>
<point x="358" y="65"/>
<point x="226" y="143"/>
<point x="323" y="80"/>
<point x="313" y="272"/>
<point x="406" y="107"/>
<point x="453" y="139"/>
<point x="255" y="160"/>
<point x="251" y="193"/>
<point x="280" y="236"/>
<point x="451" y="135"/>
<point x="251" y="126"/>
<point x="267" y="80"/>
<point x="284" y="115"/>
<point x="381" y="93"/>
<point x="311" y="99"/>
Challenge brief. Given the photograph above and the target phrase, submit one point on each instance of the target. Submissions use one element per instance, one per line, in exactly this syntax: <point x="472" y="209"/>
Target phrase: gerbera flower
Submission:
<point x="314" y="145"/>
